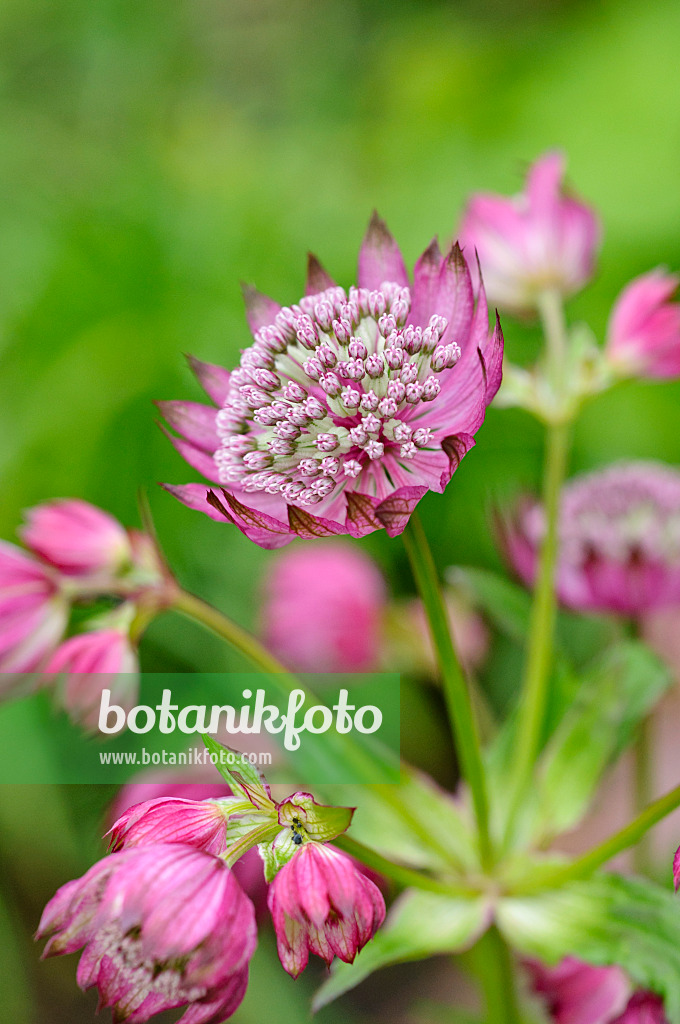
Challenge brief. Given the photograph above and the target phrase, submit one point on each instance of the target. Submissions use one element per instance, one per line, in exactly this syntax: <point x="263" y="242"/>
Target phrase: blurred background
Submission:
<point x="155" y="154"/>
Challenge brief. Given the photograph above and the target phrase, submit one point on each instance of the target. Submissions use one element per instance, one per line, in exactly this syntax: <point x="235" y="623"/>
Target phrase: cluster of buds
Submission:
<point x="165" y="923"/>
<point x="75" y="554"/>
<point x="537" y="249"/>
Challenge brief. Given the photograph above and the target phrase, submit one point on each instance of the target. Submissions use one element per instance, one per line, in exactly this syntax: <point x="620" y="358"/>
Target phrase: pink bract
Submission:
<point x="541" y="239"/>
<point x="76" y="537"/>
<point x="348" y="407"/>
<point x="619" y="539"/>
<point x="198" y="823"/>
<point x="643" y="337"/>
<point x="162" y="926"/>
<point x="322" y="609"/>
<point x="175" y="784"/>
<point x="33" y="615"/>
<point x="321" y="903"/>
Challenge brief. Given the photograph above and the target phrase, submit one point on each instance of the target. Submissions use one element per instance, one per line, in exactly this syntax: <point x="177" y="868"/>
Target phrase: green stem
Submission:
<point x="401" y="876"/>
<point x="493" y="965"/>
<point x="542" y="624"/>
<point x="200" y="611"/>
<point x="622" y="840"/>
<point x="456" y="693"/>
<point x="644" y="788"/>
<point x="551" y="309"/>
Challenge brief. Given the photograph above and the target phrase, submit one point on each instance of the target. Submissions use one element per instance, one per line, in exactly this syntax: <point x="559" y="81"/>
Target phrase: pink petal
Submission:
<point x="380" y="258"/>
<point x="260" y="310"/>
<point x="318" y="280"/>
<point x="213" y="379"/>
<point x="195" y="422"/>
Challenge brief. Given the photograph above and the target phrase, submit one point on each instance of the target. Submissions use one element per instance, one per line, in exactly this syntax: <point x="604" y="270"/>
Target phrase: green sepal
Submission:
<point x="241" y="775"/>
<point x="312" y="821"/>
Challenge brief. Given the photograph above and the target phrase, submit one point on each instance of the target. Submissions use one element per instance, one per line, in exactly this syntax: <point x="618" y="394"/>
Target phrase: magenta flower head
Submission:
<point x="578" y="993"/>
<point x="542" y="239"/>
<point x="321" y="903"/>
<point x="162" y="926"/>
<point x="322" y="609"/>
<point x="643" y="338"/>
<point x="76" y="537"/>
<point x="348" y="407"/>
<point x="619" y="540"/>
<point x="33" y="615"/>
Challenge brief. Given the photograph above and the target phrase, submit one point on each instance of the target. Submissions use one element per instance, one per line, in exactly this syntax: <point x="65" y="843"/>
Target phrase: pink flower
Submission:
<point x="578" y="993"/>
<point x="347" y="408"/>
<point x="321" y="902"/>
<point x="644" y="329"/>
<point x="162" y="926"/>
<point x="248" y="869"/>
<point x="76" y="537"/>
<point x="33" y="615"/>
<point x="323" y="608"/>
<point x="92" y="662"/>
<point x="541" y="239"/>
<point x="198" y="823"/>
<point x="619" y="540"/>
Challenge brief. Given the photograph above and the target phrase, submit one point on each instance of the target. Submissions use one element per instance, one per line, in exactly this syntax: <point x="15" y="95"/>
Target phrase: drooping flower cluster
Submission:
<point x="543" y="239"/>
<point x="349" y="406"/>
<point x="578" y="993"/>
<point x="619" y="540"/>
<point x="164" y="922"/>
<point x="76" y="552"/>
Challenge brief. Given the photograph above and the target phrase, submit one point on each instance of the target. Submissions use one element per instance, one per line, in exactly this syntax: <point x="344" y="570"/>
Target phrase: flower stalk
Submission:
<point x="458" y="701"/>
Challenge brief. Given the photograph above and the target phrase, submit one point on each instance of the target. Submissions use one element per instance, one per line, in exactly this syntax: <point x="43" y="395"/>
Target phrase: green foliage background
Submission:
<point x="152" y="154"/>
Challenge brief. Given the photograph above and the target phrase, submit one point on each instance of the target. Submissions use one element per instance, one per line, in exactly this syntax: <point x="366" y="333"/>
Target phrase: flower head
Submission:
<point x="541" y="239"/>
<point x="33" y="615"/>
<point x="619" y="540"/>
<point x="322" y="609"/>
<point x="643" y="337"/>
<point x="321" y="903"/>
<point x="578" y="993"/>
<point x="161" y="926"/>
<point x="349" y="406"/>
<point x="76" y="537"/>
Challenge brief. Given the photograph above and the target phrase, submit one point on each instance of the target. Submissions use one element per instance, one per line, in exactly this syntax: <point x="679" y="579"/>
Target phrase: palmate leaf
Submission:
<point x="417" y="823"/>
<point x="420" y="925"/>
<point x="612" y="697"/>
<point x="604" y="920"/>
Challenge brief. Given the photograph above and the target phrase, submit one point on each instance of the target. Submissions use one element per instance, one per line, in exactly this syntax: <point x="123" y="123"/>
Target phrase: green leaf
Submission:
<point x="605" y="920"/>
<point x="417" y="823"/>
<point x="419" y="925"/>
<point x="242" y="776"/>
<point x="613" y="698"/>
<point x="504" y="603"/>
